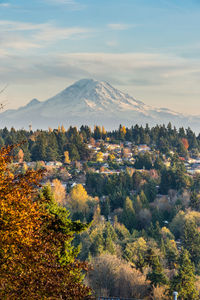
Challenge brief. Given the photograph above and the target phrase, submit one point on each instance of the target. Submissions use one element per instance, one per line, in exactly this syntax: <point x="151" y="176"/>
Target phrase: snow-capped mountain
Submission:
<point x="92" y="102"/>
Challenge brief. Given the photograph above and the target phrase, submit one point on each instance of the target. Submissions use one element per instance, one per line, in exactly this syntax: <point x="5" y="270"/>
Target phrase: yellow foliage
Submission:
<point x="30" y="242"/>
<point x="123" y="130"/>
<point x="166" y="233"/>
<point x="99" y="157"/>
<point x="78" y="192"/>
<point x="140" y="244"/>
<point x="63" y="129"/>
<point x="193" y="215"/>
<point x="67" y="160"/>
<point x="103" y="130"/>
<point x="97" y="215"/>
<point x="136" y="248"/>
<point x="59" y="192"/>
<point x="165" y="230"/>
<point x="111" y="157"/>
<point x="173" y="243"/>
<point x="78" y="199"/>
<point x="25" y="167"/>
<point x="20" y="220"/>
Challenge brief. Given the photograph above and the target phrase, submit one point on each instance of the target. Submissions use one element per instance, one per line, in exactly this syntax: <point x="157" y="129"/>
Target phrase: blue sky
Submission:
<point x="148" y="48"/>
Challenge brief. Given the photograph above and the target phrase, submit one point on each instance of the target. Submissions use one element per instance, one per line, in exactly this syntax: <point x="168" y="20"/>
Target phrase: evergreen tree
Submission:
<point x="171" y="253"/>
<point x="109" y="238"/>
<point x="150" y="190"/>
<point x="128" y="215"/>
<point x="156" y="274"/>
<point x="195" y="201"/>
<point x="39" y="148"/>
<point x="191" y="240"/>
<point x="38" y="260"/>
<point x="143" y="161"/>
<point x="105" y="207"/>
<point x="143" y="199"/>
<point x="184" y="281"/>
<point x="97" y="132"/>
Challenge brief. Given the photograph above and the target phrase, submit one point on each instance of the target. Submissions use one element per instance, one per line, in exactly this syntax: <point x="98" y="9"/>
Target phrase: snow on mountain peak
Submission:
<point x="93" y="95"/>
<point x="90" y="102"/>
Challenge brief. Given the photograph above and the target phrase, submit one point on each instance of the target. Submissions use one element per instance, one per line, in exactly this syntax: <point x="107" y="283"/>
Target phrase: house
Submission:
<point x="128" y="144"/>
<point x="50" y="163"/>
<point x="53" y="164"/>
<point x="113" y="147"/>
<point x="105" y="165"/>
<point x="31" y="164"/>
<point x="143" y="148"/>
<point x="105" y="155"/>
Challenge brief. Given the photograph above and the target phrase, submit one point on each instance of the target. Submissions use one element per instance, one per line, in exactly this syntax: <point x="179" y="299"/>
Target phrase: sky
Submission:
<point x="147" y="48"/>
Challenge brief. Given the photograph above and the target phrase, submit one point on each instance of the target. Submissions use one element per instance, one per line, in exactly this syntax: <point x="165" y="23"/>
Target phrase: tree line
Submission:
<point x="50" y="145"/>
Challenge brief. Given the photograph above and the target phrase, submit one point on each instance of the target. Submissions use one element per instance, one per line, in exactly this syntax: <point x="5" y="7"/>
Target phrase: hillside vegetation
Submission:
<point x="139" y="191"/>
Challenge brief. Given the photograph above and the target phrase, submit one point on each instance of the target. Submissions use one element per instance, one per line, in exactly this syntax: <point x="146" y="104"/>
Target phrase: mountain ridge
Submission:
<point x="91" y="102"/>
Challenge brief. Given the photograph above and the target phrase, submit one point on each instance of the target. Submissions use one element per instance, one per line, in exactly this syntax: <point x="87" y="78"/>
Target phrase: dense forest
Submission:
<point x="142" y="213"/>
<point x="51" y="145"/>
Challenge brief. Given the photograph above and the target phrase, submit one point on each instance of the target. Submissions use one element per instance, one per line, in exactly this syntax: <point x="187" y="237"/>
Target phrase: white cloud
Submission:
<point x="50" y="33"/>
<point x="19" y="44"/>
<point x="112" y="43"/>
<point x="119" y="26"/>
<point x="6" y="25"/>
<point x="62" y="2"/>
<point x="5" y="4"/>
<point x="71" y="4"/>
<point x="24" y="35"/>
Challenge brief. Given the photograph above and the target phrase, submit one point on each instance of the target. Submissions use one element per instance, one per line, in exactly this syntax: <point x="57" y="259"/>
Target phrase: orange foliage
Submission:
<point x="20" y="156"/>
<point x="123" y="130"/>
<point x="185" y="143"/>
<point x="31" y="242"/>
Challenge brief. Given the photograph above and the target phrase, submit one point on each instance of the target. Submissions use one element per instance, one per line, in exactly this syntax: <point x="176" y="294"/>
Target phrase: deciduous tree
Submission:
<point x="37" y="260"/>
<point x="59" y="192"/>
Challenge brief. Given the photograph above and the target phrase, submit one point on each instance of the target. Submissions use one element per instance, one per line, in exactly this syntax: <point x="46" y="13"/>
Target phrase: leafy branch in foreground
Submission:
<point x="37" y="260"/>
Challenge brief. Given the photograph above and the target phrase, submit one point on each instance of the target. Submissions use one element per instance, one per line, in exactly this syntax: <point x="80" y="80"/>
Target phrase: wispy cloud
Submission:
<point x="71" y="4"/>
<point x="5" y="4"/>
<point x="50" y="33"/>
<point x="7" y="25"/>
<point x="119" y="26"/>
<point x="22" y="35"/>
<point x="17" y="43"/>
<point x="112" y="43"/>
<point x="67" y="2"/>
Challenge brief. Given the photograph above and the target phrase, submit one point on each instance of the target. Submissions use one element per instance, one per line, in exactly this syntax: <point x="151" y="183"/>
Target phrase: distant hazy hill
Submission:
<point x="89" y="102"/>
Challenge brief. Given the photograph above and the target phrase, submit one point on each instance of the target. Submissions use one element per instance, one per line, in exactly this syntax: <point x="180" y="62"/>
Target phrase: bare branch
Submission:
<point x="3" y="90"/>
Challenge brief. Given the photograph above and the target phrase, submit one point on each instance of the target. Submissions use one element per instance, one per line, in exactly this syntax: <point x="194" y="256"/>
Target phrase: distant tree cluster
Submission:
<point x="65" y="145"/>
<point x="51" y="145"/>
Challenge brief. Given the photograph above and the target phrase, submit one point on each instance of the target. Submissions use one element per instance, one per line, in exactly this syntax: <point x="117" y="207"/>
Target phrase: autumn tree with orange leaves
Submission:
<point x="37" y="259"/>
<point x="185" y="143"/>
